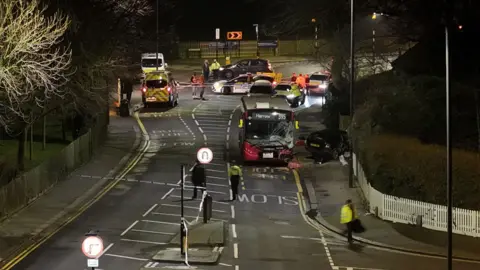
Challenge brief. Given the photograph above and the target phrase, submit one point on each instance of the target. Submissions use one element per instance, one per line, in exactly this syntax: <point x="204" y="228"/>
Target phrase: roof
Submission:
<point x="156" y="74"/>
<point x="262" y="82"/>
<point x="250" y="102"/>
<point x="151" y="55"/>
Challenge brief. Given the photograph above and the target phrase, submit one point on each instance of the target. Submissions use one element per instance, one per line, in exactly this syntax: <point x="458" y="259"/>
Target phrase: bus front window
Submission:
<point x="270" y="131"/>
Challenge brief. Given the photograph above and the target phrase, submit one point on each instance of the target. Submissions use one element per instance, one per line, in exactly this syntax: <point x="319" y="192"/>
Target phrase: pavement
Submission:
<point x="138" y="213"/>
<point x="384" y="244"/>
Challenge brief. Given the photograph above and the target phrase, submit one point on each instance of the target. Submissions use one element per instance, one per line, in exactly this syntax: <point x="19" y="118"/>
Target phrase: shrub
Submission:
<point x="404" y="167"/>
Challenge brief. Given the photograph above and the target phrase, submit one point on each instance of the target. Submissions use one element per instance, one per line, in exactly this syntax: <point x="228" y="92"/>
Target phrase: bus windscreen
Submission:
<point x="267" y="126"/>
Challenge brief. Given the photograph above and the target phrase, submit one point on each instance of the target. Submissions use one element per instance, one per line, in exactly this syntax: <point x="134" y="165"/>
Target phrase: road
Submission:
<point x="266" y="227"/>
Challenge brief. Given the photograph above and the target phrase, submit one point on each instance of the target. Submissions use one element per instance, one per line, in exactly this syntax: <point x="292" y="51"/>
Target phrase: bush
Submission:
<point x="404" y="167"/>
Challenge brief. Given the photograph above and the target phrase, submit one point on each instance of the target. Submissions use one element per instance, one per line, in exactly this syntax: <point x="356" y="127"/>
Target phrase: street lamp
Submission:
<point x="156" y="52"/>
<point x="256" y="31"/>
<point x="316" y="36"/>
<point x="352" y="78"/>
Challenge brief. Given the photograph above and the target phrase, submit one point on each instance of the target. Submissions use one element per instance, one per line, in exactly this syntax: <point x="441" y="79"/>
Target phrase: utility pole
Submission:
<point x="448" y="5"/>
<point x="256" y="31"/>
<point x="352" y="79"/>
<point x="316" y="37"/>
<point x="182" y="219"/>
<point x="156" y="51"/>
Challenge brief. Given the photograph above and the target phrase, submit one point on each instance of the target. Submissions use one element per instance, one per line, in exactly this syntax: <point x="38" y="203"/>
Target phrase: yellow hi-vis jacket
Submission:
<point x="295" y="91"/>
<point x="234" y="170"/>
<point x="214" y="66"/>
<point x="347" y="214"/>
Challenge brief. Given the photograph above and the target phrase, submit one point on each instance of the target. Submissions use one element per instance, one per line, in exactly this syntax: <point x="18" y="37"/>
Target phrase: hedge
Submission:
<point x="404" y="167"/>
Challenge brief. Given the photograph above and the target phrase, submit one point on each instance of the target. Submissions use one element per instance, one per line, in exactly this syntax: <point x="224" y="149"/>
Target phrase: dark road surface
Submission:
<point x="266" y="227"/>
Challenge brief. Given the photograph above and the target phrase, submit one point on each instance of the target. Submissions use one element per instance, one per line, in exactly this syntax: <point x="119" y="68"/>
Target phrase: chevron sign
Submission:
<point x="237" y="35"/>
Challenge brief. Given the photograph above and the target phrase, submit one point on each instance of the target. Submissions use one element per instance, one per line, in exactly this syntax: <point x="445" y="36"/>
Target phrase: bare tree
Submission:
<point x="32" y="64"/>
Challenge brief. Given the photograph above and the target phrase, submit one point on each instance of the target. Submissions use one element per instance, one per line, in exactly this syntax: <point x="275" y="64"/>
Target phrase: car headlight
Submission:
<point x="221" y="69"/>
<point x="323" y="86"/>
<point x="216" y="85"/>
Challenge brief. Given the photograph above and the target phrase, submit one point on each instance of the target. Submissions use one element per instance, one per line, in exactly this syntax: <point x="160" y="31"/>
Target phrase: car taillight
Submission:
<point x="274" y="83"/>
<point x="169" y="89"/>
<point x="144" y="89"/>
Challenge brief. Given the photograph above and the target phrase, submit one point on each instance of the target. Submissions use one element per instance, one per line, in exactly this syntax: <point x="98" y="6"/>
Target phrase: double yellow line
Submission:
<point x="27" y="251"/>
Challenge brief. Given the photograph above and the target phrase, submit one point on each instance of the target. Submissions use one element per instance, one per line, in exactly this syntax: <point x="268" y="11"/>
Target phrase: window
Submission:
<point x="269" y="130"/>
<point x="157" y="84"/>
<point x="261" y="89"/>
<point x="243" y="63"/>
<point x="151" y="62"/>
<point x="256" y="63"/>
<point x="317" y="77"/>
<point x="242" y="79"/>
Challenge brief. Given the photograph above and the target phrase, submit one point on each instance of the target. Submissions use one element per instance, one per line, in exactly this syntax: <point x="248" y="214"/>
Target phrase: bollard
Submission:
<point x="183" y="239"/>
<point x="227" y="60"/>
<point x="207" y="208"/>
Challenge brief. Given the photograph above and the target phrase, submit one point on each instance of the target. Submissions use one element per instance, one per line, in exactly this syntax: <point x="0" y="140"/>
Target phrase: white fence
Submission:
<point x="428" y="215"/>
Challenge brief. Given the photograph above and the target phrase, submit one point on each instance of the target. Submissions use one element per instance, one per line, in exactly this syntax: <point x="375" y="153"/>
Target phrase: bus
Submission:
<point x="267" y="129"/>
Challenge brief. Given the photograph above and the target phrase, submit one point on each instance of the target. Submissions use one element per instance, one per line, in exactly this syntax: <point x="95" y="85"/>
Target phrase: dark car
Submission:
<point x="245" y="66"/>
<point x="327" y="144"/>
<point x="318" y="84"/>
<point x="261" y="88"/>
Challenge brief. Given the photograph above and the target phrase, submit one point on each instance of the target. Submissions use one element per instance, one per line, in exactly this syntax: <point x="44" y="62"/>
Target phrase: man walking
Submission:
<point x="347" y="216"/>
<point x="235" y="172"/>
<point x="198" y="178"/>
<point x="206" y="70"/>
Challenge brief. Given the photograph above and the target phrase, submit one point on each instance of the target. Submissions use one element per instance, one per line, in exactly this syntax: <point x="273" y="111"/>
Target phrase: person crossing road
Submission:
<point x="234" y="172"/>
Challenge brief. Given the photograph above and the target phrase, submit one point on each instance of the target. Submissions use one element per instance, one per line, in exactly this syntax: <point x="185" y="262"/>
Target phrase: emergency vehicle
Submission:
<point x="149" y="62"/>
<point x="159" y="87"/>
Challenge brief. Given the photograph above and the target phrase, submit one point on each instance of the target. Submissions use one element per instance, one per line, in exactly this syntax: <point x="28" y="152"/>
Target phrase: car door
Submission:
<point x="256" y="66"/>
<point x="242" y="67"/>
<point x="241" y="84"/>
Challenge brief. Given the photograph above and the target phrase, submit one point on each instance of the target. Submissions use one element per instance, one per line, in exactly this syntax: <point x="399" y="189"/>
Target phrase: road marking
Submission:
<point x="193" y="116"/>
<point x="215" y="164"/>
<point x="215" y="249"/>
<point x="143" y="242"/>
<point x="201" y="130"/>
<point x="300" y="237"/>
<point x="178" y="215"/>
<point x="225" y="264"/>
<point x="229" y="122"/>
<point x="196" y="122"/>
<point x="160" y="222"/>
<point x="135" y="159"/>
<point x="192" y="207"/>
<point x="105" y="250"/>
<point x="129" y="227"/>
<point x="167" y="194"/>
<point x="204" y="137"/>
<point x="235" y="250"/>
<point x="216" y="177"/>
<point x="228" y="137"/>
<point x="220" y="250"/>
<point x="218" y="185"/>
<point x="228" y="130"/>
<point x="152" y="232"/>
<point x="126" y="257"/>
<point x="211" y="170"/>
<point x="213" y="128"/>
<point x="232" y="208"/>
<point x="237" y="267"/>
<point x="234" y="231"/>
<point x="209" y="191"/>
<point x="150" y="210"/>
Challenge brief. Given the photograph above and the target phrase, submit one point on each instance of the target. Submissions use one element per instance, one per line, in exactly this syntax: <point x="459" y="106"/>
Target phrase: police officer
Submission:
<point x="347" y="216"/>
<point x="199" y="178"/>
<point x="297" y="94"/>
<point x="214" y="67"/>
<point x="235" y="172"/>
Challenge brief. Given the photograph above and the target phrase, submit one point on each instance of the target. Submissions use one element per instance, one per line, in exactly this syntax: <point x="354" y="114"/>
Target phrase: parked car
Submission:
<point x="327" y="144"/>
<point x="240" y="84"/>
<point x="261" y="88"/>
<point x="318" y="84"/>
<point x="245" y="66"/>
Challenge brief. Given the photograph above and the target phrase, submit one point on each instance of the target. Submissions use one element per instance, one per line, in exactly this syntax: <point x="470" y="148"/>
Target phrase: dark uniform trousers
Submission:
<point x="234" y="181"/>
<point x="195" y="189"/>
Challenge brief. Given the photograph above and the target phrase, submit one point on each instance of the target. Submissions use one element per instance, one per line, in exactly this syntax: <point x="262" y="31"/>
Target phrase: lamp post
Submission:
<point x="352" y="78"/>
<point x="314" y="21"/>
<point x="156" y="52"/>
<point x="256" y="32"/>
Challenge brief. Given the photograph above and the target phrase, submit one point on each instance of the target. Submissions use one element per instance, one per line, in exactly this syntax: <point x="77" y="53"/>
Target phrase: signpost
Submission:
<point x="204" y="155"/>
<point x="235" y="35"/>
<point x="256" y="31"/>
<point x="92" y="247"/>
<point x="217" y="37"/>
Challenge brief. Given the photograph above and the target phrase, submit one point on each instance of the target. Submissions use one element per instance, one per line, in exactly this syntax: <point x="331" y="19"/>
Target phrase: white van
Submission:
<point x="149" y="62"/>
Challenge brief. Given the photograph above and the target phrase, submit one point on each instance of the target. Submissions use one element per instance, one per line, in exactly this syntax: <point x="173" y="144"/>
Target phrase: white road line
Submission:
<point x="215" y="135"/>
<point x="126" y="257"/>
<point x="148" y="265"/>
<point x="178" y="215"/>
<point x="192" y="207"/>
<point x="234" y="231"/>
<point x="215" y="164"/>
<point x="143" y="242"/>
<point x="159" y="222"/>
<point x="213" y="125"/>
<point x="235" y="251"/>
<point x="300" y="237"/>
<point x="237" y="267"/>
<point x="196" y="122"/>
<point x="215" y="249"/>
<point x="204" y="137"/>
<point x="220" y="249"/>
<point x="178" y="196"/>
<point x="167" y="194"/>
<point x="201" y="130"/>
<point x="231" y="116"/>
<point x="129" y="227"/>
<point x="217" y="185"/>
<point x="228" y="137"/>
<point x="225" y="264"/>
<point x="228" y="129"/>
<point x="215" y="177"/>
<point x="212" y="121"/>
<point x="193" y="116"/>
<point x="232" y="208"/>
<point x="149" y="210"/>
<point x="152" y="232"/>
<point x="105" y="250"/>
<point x="229" y="122"/>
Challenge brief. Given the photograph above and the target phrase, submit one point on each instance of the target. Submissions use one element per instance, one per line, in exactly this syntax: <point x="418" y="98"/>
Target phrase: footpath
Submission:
<point x="44" y="216"/>
<point x="327" y="189"/>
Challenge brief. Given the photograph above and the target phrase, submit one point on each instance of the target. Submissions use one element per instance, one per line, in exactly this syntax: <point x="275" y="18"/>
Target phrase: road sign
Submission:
<point x="204" y="155"/>
<point x="237" y="35"/>
<point x="92" y="246"/>
<point x="217" y="33"/>
<point x="92" y="263"/>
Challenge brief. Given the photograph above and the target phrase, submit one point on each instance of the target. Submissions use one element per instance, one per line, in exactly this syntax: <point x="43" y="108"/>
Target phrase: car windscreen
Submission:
<point x="317" y="77"/>
<point x="269" y="125"/>
<point x="152" y="62"/>
<point x="157" y="84"/>
<point x="261" y="89"/>
<point x="283" y="87"/>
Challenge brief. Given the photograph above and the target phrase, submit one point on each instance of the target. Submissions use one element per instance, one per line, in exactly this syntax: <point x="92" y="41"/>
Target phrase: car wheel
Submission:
<point x="227" y="90"/>
<point x="229" y="74"/>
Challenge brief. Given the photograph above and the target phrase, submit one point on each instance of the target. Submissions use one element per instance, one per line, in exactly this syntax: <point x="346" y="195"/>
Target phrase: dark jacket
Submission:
<point x="127" y="86"/>
<point x="205" y="68"/>
<point x="198" y="175"/>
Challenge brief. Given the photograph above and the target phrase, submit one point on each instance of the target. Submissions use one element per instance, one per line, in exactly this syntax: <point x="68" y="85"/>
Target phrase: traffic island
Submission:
<point x="204" y="241"/>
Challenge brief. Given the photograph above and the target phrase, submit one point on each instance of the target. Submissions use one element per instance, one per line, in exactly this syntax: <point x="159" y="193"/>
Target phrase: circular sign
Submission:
<point x="204" y="155"/>
<point x="92" y="246"/>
